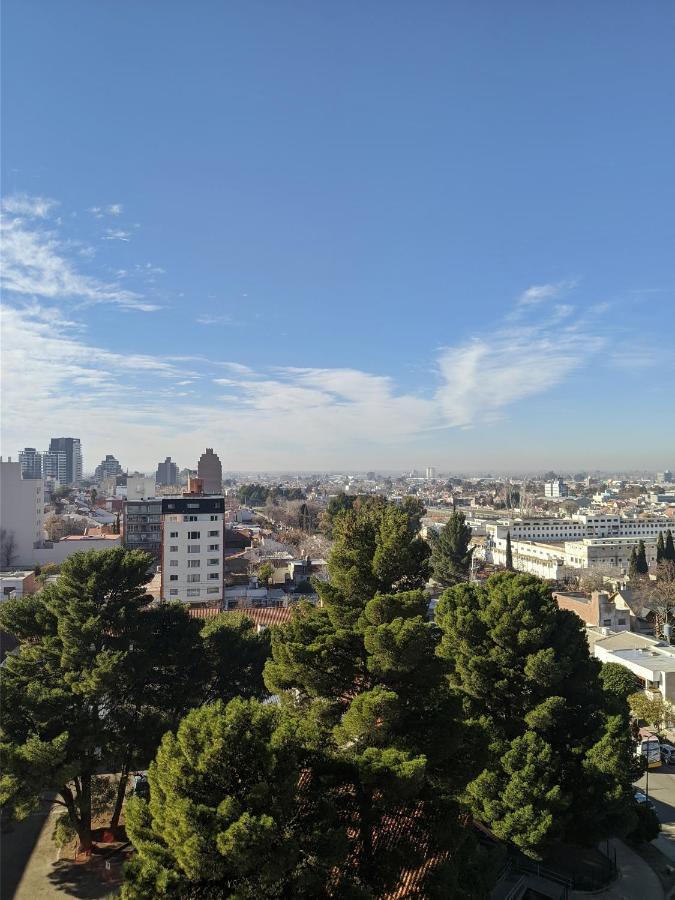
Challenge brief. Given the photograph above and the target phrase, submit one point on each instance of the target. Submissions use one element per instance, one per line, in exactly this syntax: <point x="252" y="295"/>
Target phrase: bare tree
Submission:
<point x="660" y="595"/>
<point x="8" y="551"/>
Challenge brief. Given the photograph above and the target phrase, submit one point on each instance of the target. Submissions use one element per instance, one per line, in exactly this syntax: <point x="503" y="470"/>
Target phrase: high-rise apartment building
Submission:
<point x="54" y="465"/>
<point x="73" y="450"/>
<point x="192" y="549"/>
<point x="108" y="468"/>
<point x="21" y="516"/>
<point x="210" y="471"/>
<point x="167" y="472"/>
<point x="555" y="489"/>
<point x="430" y="473"/>
<point x="31" y="463"/>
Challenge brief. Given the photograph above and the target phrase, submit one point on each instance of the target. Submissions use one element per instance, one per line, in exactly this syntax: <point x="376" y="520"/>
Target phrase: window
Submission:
<point x="194" y="535"/>
<point x="189" y="518"/>
<point x="173" y="562"/>
<point x="194" y="548"/>
<point x="212" y="562"/>
<point x="193" y="563"/>
<point x="213" y="590"/>
<point x="173" y="534"/>
<point x="193" y="578"/>
<point x="173" y="592"/>
<point x="214" y="518"/>
<point x="173" y="548"/>
<point x="213" y="533"/>
<point x="173" y="577"/>
<point x="213" y="576"/>
<point x="192" y="505"/>
<point x="193" y="592"/>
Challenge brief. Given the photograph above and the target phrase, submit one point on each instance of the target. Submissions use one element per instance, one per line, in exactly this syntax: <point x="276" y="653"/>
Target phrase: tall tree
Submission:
<point x="450" y="553"/>
<point x="660" y="548"/>
<point x="641" y="566"/>
<point x="669" y="548"/>
<point x="559" y="767"/>
<point x="509" y="552"/>
<point x="98" y="678"/>
<point x="362" y="674"/>
<point x="227" y="814"/>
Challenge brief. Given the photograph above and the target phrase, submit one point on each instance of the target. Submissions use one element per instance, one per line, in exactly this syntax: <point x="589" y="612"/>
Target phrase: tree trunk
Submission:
<point x="121" y="792"/>
<point x="84" y="831"/>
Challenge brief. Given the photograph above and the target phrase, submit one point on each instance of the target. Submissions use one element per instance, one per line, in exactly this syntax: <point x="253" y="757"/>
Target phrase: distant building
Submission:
<point x="167" y="472"/>
<point x="108" y="468"/>
<point x="54" y="467"/>
<point x="192" y="549"/>
<point x="664" y="477"/>
<point x="555" y="489"/>
<point x="430" y="473"/>
<point x="21" y="516"/>
<point x="210" y="471"/>
<point x="596" y="609"/>
<point x="140" y="487"/>
<point x="16" y="583"/>
<point x="73" y="450"/>
<point x="31" y="463"/>
<point x="142" y="525"/>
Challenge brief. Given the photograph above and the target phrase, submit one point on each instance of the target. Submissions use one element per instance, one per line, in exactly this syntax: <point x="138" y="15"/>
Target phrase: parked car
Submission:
<point x="643" y="800"/>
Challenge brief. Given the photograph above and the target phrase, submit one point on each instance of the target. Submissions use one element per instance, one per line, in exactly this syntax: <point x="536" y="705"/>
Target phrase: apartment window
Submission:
<point x="190" y="518"/>
<point x="214" y="546"/>
<point x="192" y="505"/>
<point x="213" y="576"/>
<point x="193" y="578"/>
<point x="213" y="533"/>
<point x="193" y="563"/>
<point x="194" y="548"/>
<point x="194" y="535"/>
<point x="193" y="592"/>
<point x="173" y="562"/>
<point x="212" y="562"/>
<point x="214" y="518"/>
<point x="173" y="577"/>
<point x="173" y="548"/>
<point x="213" y="590"/>
<point x="173" y="592"/>
<point x="173" y="534"/>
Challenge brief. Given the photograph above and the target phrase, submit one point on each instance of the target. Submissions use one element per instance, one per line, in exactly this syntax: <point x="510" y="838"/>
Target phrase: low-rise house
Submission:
<point x="17" y="582"/>
<point x="597" y="608"/>
<point x="650" y="660"/>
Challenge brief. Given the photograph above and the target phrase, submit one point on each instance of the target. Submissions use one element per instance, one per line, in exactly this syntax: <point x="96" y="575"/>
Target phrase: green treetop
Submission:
<point x="638" y="561"/>
<point x="660" y="548"/>
<point x="228" y="815"/>
<point x="509" y="552"/>
<point x="669" y="548"/>
<point x="363" y="675"/>
<point x="523" y="669"/>
<point x="450" y="553"/>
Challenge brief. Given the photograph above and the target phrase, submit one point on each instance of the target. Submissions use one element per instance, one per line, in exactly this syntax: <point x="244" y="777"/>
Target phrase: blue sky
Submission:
<point x="349" y="235"/>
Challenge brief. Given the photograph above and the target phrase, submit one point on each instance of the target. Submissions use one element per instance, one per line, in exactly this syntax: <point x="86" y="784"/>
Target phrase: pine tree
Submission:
<point x="524" y="672"/>
<point x="669" y="548"/>
<point x="450" y="553"/>
<point x="660" y="548"/>
<point x="362" y="674"/>
<point x="509" y="552"/>
<point x="641" y="564"/>
<point x="228" y="815"/>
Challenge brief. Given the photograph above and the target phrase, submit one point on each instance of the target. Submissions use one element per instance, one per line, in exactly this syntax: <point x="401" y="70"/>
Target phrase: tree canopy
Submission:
<point x="450" y="553"/>
<point x="560" y="763"/>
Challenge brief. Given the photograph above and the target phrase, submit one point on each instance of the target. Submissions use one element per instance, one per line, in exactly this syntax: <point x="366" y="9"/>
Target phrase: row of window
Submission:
<point x="195" y="535"/>
<point x="193" y="592"/>
<point x="194" y="563"/>
<point x="212" y="576"/>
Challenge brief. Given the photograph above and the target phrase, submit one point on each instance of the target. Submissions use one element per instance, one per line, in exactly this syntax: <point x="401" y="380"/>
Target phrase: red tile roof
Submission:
<point x="266" y="616"/>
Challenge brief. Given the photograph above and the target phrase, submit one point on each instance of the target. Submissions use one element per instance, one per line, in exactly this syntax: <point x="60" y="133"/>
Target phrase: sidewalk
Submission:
<point x="636" y="879"/>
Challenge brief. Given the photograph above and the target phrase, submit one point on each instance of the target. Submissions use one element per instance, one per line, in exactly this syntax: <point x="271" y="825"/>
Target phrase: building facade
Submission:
<point x="555" y="489"/>
<point x="54" y="464"/>
<point x="142" y="525"/>
<point x="73" y="450"/>
<point x="22" y="506"/>
<point x="210" y="471"/>
<point x="108" y="468"/>
<point x="167" y="472"/>
<point x="192" y="549"/>
<point x="31" y="463"/>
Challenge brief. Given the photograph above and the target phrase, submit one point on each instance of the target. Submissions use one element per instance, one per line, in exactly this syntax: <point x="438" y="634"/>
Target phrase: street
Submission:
<point x="662" y="793"/>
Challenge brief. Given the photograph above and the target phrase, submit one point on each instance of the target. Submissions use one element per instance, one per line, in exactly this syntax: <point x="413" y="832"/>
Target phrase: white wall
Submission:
<point x="21" y="512"/>
<point x="61" y="550"/>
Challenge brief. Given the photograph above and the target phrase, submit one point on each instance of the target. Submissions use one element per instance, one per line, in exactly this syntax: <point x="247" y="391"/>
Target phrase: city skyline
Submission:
<point x="447" y="247"/>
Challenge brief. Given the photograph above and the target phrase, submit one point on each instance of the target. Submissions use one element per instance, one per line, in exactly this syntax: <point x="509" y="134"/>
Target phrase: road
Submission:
<point x="662" y="792"/>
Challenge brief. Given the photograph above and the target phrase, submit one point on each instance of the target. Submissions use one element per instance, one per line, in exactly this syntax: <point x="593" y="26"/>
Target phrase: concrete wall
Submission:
<point x="21" y="513"/>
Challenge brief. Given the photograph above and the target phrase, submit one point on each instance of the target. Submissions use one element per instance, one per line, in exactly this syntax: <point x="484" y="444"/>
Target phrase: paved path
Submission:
<point x="636" y="881"/>
<point x="662" y="792"/>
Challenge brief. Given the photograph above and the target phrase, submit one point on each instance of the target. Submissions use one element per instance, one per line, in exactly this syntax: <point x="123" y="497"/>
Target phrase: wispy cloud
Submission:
<point x="38" y="263"/>
<point x="115" y="209"/>
<point x="538" y="293"/>
<point x="116" y="234"/>
<point x="211" y="319"/>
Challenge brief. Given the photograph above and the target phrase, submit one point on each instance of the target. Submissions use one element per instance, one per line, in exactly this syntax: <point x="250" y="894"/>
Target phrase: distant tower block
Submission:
<point x="210" y="471"/>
